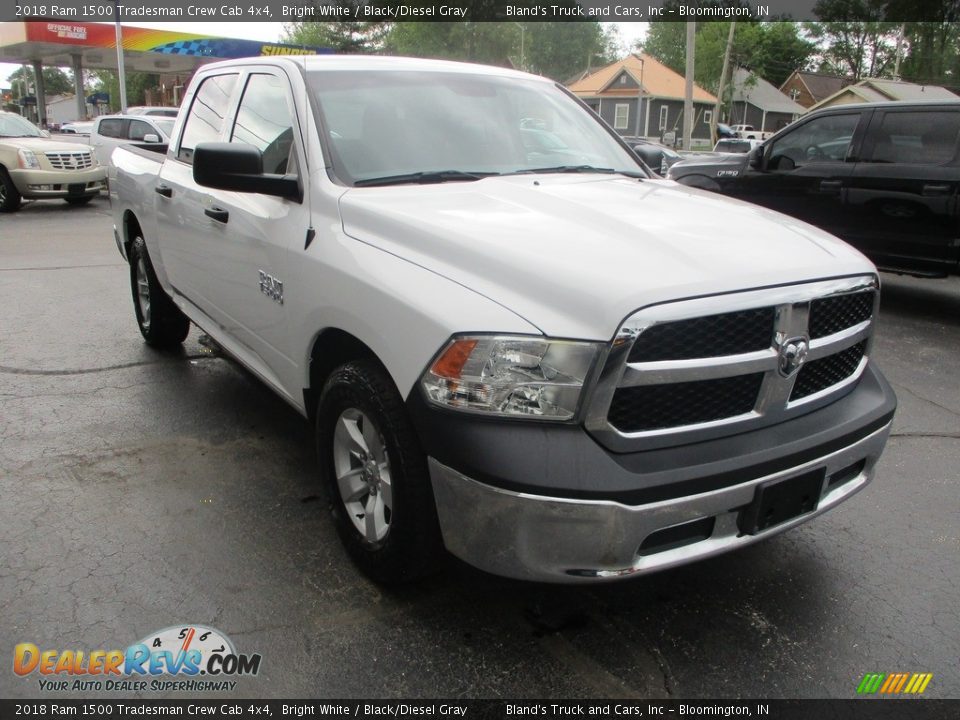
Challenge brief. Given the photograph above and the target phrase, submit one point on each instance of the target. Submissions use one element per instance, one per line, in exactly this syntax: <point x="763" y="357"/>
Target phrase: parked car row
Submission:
<point x="883" y="176"/>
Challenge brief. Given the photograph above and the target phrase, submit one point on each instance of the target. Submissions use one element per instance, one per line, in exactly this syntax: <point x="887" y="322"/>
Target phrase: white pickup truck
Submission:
<point x="515" y="342"/>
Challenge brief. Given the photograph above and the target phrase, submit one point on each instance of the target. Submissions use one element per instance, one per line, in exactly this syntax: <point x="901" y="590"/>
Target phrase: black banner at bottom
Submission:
<point x="860" y="709"/>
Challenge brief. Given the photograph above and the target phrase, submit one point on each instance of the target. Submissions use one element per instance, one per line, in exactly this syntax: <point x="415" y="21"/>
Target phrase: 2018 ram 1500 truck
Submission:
<point x="529" y="351"/>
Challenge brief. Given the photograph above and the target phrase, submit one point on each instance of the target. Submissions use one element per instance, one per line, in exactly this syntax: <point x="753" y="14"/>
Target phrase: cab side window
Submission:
<point x="916" y="138"/>
<point x="825" y="139"/>
<point x="138" y="130"/>
<point x="207" y="114"/>
<point x="112" y="128"/>
<point x="265" y="120"/>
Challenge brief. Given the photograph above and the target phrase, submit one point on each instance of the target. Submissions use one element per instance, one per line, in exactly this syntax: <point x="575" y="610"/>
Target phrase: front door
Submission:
<point x="806" y="172"/>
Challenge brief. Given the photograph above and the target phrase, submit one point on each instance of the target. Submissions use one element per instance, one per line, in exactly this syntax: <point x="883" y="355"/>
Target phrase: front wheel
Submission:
<point x="9" y="195"/>
<point x="376" y="475"/>
<point x="161" y="322"/>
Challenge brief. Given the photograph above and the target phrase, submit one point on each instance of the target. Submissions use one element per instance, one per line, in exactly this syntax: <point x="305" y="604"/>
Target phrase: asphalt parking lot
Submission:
<point x="141" y="490"/>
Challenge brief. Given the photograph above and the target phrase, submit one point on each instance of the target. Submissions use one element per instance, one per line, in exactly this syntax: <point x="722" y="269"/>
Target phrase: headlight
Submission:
<point x="28" y="160"/>
<point x="510" y="376"/>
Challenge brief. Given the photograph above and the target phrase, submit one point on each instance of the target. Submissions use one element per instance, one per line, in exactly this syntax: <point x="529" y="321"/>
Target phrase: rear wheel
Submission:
<point x="79" y="200"/>
<point x="9" y="195"/>
<point x="376" y="475"/>
<point x="161" y="322"/>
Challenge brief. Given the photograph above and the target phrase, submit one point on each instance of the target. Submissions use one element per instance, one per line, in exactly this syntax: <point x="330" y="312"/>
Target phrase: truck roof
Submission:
<point x="313" y="63"/>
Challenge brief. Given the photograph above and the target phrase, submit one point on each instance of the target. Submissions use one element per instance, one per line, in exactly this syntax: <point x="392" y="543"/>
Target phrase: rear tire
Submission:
<point x="79" y="200"/>
<point x="376" y="475"/>
<point x="9" y="195"/>
<point x="161" y="322"/>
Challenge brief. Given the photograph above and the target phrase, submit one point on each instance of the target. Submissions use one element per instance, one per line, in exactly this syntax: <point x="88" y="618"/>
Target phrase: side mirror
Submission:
<point x="756" y="158"/>
<point x="151" y="138"/>
<point x="239" y="167"/>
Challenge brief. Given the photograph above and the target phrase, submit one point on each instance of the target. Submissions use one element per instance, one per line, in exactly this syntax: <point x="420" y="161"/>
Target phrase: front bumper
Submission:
<point x="38" y="184"/>
<point x="581" y="513"/>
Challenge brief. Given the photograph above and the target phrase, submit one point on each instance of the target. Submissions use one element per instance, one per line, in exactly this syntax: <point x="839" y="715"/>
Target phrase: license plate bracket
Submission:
<point x="76" y="188"/>
<point x="778" y="501"/>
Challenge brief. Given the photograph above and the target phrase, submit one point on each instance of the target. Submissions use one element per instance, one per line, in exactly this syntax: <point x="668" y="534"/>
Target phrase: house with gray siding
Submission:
<point x="641" y="97"/>
<point x="758" y="103"/>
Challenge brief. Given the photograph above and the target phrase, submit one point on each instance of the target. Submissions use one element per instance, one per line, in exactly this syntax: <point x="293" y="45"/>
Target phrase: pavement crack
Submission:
<point x="5" y="369"/>
<point x="947" y="436"/>
<point x="918" y="396"/>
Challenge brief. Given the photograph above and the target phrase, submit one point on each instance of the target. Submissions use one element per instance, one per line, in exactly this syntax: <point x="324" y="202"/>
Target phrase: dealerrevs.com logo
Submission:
<point x="190" y="658"/>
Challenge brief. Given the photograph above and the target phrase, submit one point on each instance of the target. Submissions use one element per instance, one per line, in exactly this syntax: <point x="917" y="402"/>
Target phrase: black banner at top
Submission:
<point x="132" y="11"/>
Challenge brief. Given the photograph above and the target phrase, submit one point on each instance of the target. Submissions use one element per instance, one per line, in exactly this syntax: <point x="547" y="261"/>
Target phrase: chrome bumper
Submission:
<point x="37" y="184"/>
<point x="547" y="539"/>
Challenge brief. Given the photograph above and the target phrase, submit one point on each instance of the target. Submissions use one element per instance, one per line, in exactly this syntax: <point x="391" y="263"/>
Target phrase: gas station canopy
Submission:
<point x="93" y="46"/>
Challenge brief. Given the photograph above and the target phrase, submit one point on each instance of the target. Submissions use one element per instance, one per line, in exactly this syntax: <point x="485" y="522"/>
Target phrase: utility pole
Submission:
<point x="896" y="62"/>
<point x="723" y="82"/>
<point x="688" y="91"/>
<point x="121" y="70"/>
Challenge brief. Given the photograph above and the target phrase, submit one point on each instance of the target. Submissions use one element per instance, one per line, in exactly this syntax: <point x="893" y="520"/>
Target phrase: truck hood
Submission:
<point x="43" y="144"/>
<point x="576" y="254"/>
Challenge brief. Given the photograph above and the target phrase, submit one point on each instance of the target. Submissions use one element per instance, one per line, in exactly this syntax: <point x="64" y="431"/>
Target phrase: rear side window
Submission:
<point x="265" y="120"/>
<point x="111" y="128"/>
<point x="207" y="114"/>
<point x="916" y="138"/>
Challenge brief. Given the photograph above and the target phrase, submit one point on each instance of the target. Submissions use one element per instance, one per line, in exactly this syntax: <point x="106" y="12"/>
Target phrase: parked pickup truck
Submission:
<point x="557" y="367"/>
<point x="749" y="132"/>
<point x="885" y="177"/>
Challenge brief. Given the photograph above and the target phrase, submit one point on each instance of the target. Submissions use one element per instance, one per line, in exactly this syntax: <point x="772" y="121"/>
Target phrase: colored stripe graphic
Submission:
<point x="894" y="683"/>
<point x="870" y="683"/>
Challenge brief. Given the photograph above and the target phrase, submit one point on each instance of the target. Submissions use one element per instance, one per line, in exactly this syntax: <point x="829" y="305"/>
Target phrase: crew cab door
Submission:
<point x="805" y="172"/>
<point x="904" y="192"/>
<point x="236" y="250"/>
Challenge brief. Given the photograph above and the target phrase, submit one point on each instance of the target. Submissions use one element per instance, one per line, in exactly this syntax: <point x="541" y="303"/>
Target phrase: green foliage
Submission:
<point x="137" y="84"/>
<point x="771" y="50"/>
<point x="55" y="80"/>
<point x="555" y="50"/>
<point x="854" y="41"/>
<point x="341" y="37"/>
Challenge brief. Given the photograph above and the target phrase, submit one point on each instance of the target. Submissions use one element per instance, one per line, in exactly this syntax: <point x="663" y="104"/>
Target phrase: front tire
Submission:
<point x="376" y="475"/>
<point x="161" y="322"/>
<point x="9" y="195"/>
<point x="79" y="200"/>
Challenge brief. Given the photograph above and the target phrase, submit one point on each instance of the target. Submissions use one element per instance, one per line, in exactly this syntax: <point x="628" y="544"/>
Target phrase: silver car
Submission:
<point x="110" y="131"/>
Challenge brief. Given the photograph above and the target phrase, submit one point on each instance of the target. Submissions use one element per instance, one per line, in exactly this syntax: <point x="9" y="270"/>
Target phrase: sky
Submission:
<point x="271" y="31"/>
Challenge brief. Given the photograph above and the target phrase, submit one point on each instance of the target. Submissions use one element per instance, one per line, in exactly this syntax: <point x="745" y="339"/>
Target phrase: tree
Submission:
<point x="555" y="50"/>
<point x="853" y="39"/>
<point x="55" y="80"/>
<point x="771" y="50"/>
<point x="342" y="36"/>
<point x="137" y="84"/>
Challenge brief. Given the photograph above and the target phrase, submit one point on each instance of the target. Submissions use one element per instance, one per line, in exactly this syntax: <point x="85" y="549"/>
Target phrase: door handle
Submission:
<point x="164" y="190"/>
<point x="217" y="213"/>
<point x="930" y="190"/>
<point x="831" y="186"/>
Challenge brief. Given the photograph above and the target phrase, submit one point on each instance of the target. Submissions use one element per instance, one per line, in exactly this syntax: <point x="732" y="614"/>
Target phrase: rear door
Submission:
<point x="248" y="235"/>
<point x="904" y="192"/>
<point x="807" y="170"/>
<point x="188" y="238"/>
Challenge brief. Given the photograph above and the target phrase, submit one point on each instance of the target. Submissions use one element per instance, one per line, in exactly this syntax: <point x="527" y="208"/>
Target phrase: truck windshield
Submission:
<point x="15" y="126"/>
<point x="392" y="127"/>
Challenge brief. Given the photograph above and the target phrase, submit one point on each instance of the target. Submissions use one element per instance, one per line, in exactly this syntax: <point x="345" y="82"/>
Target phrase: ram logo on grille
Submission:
<point x="792" y="354"/>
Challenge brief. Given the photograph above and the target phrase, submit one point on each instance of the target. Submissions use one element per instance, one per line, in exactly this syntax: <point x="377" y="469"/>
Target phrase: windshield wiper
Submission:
<point x="423" y="178"/>
<point x="580" y="169"/>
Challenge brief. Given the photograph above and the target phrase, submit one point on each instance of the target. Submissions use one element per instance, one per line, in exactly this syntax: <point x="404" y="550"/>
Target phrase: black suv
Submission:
<point x="883" y="176"/>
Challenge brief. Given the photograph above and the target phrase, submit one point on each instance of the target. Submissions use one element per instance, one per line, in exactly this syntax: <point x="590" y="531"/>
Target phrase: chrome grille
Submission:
<point x="710" y="336"/>
<point x="698" y="369"/>
<point x="70" y="160"/>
